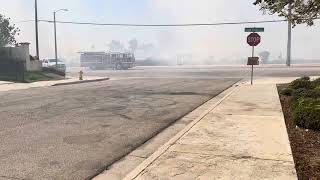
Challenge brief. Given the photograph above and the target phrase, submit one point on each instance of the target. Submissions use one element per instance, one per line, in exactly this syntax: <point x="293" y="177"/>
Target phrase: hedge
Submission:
<point x="305" y="102"/>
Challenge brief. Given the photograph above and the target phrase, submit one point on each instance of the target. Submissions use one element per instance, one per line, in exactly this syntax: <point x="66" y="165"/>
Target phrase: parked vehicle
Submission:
<point x="102" y="60"/>
<point x="51" y="63"/>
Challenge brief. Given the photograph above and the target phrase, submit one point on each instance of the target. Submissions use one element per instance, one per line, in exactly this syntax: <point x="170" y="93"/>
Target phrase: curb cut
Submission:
<point x="81" y="82"/>
<point x="140" y="168"/>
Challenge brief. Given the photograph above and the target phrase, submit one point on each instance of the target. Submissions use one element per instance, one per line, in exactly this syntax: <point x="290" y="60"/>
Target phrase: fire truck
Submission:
<point x="103" y="60"/>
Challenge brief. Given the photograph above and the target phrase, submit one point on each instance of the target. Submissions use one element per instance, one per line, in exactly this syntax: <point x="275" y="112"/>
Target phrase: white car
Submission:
<point x="51" y="63"/>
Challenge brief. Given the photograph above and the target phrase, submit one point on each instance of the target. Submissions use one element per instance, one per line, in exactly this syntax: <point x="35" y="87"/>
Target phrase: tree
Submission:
<point x="7" y="32"/>
<point x="133" y="45"/>
<point x="302" y="11"/>
<point x="264" y="55"/>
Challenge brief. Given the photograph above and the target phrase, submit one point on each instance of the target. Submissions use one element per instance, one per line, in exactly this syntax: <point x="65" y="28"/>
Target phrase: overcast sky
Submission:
<point x="219" y="41"/>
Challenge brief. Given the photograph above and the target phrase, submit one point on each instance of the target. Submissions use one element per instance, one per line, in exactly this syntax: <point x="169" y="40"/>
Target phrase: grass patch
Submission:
<point x="30" y="77"/>
<point x="40" y="76"/>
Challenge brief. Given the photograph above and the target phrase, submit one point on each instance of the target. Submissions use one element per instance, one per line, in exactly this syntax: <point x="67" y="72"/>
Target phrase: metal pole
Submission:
<point x="289" y="36"/>
<point x="252" y="66"/>
<point x="252" y="51"/>
<point x="36" y="27"/>
<point x="55" y="38"/>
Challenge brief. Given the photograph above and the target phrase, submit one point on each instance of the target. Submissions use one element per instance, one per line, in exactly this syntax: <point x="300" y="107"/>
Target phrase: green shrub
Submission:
<point x="287" y="92"/>
<point x="306" y="113"/>
<point x="306" y="93"/>
<point x="303" y="82"/>
<point x="311" y="93"/>
<point x="316" y="83"/>
<point x="296" y="93"/>
<point x="305" y="102"/>
<point x="305" y="78"/>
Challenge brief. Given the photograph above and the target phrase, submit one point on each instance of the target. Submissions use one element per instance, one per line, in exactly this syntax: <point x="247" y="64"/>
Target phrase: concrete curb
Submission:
<point x="133" y="174"/>
<point x="6" y="83"/>
<point x="81" y="82"/>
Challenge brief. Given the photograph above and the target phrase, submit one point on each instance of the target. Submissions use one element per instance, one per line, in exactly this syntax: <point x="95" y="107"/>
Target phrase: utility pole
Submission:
<point x="36" y="27"/>
<point x="289" y="35"/>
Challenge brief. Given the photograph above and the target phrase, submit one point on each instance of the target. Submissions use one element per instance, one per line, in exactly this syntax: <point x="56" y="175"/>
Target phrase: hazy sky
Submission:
<point x="219" y="41"/>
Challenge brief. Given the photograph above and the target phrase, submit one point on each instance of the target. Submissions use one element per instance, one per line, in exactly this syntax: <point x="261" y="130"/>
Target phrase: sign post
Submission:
<point x="253" y="40"/>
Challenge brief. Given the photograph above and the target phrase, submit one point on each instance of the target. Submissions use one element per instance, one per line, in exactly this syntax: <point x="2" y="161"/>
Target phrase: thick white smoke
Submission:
<point x="221" y="43"/>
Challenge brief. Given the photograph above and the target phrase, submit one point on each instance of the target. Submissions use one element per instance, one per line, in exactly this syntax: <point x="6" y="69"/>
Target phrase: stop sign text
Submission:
<point x="253" y="39"/>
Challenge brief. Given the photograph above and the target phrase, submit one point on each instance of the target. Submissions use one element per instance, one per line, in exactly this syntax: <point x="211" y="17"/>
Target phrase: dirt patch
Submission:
<point x="305" y="144"/>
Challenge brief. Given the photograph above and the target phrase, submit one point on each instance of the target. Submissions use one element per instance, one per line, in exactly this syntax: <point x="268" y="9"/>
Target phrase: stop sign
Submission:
<point x="253" y="39"/>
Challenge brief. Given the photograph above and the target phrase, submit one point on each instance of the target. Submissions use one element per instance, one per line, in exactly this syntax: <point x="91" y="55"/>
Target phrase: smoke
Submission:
<point x="220" y="42"/>
<point x="200" y="43"/>
<point x="229" y="41"/>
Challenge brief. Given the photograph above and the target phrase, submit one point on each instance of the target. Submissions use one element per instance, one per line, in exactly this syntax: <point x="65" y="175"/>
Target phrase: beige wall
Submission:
<point x="34" y="66"/>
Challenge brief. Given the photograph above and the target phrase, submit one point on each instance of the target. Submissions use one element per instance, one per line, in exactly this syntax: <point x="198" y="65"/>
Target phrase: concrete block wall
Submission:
<point x="20" y="53"/>
<point x="12" y="53"/>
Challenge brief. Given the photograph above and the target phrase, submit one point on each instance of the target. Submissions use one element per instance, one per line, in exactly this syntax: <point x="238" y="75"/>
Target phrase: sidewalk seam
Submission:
<point x="140" y="168"/>
<point x="217" y="113"/>
<point x="232" y="156"/>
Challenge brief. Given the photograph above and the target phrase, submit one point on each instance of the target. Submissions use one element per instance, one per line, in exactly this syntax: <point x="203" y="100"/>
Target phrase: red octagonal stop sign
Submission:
<point x="253" y="39"/>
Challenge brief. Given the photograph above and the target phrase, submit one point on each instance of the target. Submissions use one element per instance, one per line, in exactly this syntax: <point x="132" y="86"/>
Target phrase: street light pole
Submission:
<point x="55" y="38"/>
<point x="36" y="28"/>
<point x="55" y="34"/>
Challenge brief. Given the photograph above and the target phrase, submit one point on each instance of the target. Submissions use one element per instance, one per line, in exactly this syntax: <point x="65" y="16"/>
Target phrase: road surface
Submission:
<point x="75" y="131"/>
<point x="207" y="71"/>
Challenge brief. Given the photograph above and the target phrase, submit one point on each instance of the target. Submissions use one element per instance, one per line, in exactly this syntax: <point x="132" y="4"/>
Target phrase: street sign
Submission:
<point x="253" y="61"/>
<point x="253" y="39"/>
<point x="254" y="29"/>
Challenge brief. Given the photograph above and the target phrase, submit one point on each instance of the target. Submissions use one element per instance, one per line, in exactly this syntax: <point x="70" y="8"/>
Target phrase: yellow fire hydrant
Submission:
<point x="81" y="75"/>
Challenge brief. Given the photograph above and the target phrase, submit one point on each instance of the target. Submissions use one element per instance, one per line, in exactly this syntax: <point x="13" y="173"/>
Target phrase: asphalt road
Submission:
<point x="207" y="71"/>
<point x="75" y="131"/>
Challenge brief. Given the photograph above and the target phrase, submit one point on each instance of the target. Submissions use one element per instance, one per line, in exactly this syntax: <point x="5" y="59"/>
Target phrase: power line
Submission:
<point x="163" y="25"/>
<point x="23" y="21"/>
<point x="159" y="25"/>
<point x="153" y="25"/>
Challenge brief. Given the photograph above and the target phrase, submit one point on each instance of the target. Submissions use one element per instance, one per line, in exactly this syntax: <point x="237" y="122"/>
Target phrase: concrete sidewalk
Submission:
<point x="243" y="137"/>
<point x="5" y="82"/>
<point x="8" y="86"/>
